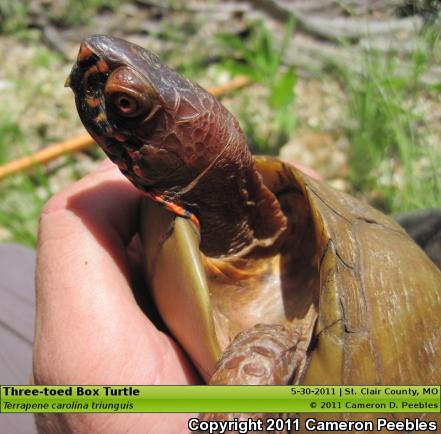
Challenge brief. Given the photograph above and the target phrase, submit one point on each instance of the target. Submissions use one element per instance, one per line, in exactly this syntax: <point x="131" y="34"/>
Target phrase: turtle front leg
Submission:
<point x="266" y="354"/>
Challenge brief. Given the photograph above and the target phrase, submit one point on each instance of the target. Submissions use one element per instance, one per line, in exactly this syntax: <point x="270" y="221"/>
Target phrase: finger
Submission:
<point x="308" y="171"/>
<point x="84" y="230"/>
<point x="305" y="169"/>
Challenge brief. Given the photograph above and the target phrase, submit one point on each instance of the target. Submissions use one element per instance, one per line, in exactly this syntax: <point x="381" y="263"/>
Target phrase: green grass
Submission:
<point x="15" y="14"/>
<point x="258" y="57"/>
<point x="392" y="153"/>
<point x="11" y="135"/>
<point x="79" y="12"/>
<point x="22" y="198"/>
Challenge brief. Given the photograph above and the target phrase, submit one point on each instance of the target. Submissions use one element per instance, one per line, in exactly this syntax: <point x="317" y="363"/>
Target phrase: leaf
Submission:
<point x="232" y="41"/>
<point x="236" y="68"/>
<point x="283" y="90"/>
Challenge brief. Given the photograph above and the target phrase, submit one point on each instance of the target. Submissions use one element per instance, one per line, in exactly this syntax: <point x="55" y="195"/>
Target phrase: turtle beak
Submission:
<point x="74" y="78"/>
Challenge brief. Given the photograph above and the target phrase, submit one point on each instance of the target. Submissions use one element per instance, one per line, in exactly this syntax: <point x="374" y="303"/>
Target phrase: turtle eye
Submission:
<point x="128" y="105"/>
<point x="127" y="94"/>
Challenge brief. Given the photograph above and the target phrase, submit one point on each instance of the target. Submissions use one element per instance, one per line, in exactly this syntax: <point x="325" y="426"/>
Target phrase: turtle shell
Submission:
<point x="379" y="296"/>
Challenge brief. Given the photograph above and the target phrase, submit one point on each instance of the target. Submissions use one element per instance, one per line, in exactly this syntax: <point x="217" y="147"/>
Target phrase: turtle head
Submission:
<point x="174" y="140"/>
<point x="128" y="101"/>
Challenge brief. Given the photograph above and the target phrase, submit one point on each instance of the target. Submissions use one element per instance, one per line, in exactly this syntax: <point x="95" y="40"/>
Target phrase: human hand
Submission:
<point x="89" y="327"/>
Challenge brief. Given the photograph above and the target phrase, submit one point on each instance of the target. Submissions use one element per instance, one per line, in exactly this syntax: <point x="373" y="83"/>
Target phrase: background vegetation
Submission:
<point x="363" y="109"/>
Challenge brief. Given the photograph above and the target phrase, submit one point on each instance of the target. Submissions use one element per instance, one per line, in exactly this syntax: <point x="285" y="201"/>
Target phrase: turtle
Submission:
<point x="264" y="275"/>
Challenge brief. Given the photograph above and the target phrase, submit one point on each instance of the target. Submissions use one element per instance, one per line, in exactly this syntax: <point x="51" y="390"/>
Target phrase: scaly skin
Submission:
<point x="178" y="144"/>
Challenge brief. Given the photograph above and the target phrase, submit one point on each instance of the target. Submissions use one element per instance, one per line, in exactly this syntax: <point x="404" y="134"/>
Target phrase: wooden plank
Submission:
<point x="17" y="265"/>
<point x="17" y="268"/>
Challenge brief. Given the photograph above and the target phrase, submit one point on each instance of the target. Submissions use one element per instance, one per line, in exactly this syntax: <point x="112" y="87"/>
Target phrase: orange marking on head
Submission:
<point x="102" y="65"/>
<point x="93" y="102"/>
<point x="122" y="165"/>
<point x="84" y="53"/>
<point x="120" y="137"/>
<point x="133" y="154"/>
<point x="92" y="70"/>
<point x="137" y="170"/>
<point x="101" y="117"/>
<point x="109" y="130"/>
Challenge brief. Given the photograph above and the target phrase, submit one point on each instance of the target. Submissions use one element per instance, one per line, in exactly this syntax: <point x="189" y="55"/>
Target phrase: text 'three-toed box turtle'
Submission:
<point x="264" y="275"/>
